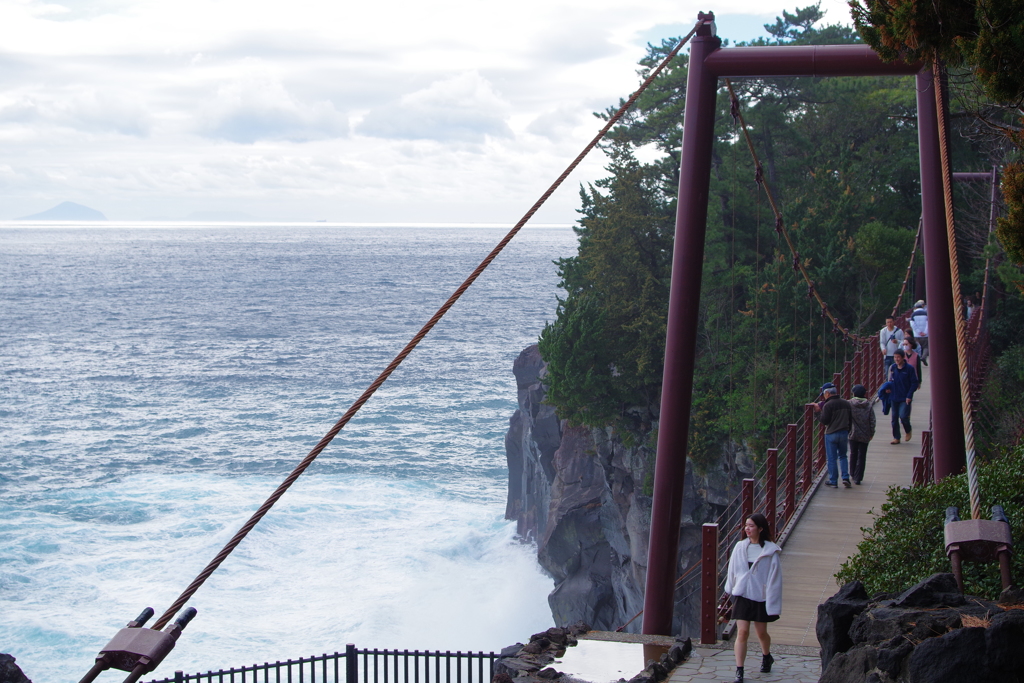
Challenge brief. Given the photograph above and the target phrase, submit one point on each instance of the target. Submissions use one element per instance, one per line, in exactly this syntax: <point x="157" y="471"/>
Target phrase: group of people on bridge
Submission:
<point x="754" y="578"/>
<point x="850" y="424"/>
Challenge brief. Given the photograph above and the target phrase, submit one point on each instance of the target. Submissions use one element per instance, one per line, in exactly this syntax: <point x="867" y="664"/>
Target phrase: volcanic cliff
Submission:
<point x="583" y="496"/>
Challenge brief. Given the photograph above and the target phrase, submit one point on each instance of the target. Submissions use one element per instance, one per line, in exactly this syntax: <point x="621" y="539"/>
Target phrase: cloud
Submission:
<point x="259" y="107"/>
<point x="463" y="108"/>
<point x="81" y="109"/>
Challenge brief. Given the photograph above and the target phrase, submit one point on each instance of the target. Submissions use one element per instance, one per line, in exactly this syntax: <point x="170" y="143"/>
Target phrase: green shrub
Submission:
<point x="906" y="545"/>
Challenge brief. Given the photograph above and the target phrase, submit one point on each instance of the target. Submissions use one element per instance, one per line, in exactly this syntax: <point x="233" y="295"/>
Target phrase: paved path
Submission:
<point x="713" y="665"/>
<point x="830" y="528"/>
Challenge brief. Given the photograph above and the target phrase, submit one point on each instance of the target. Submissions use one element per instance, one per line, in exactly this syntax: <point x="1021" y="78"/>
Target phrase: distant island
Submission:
<point x="66" y="211"/>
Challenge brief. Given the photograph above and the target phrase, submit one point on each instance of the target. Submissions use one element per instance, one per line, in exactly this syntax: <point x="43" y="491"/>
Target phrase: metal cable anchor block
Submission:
<point x="139" y="650"/>
<point x="978" y="540"/>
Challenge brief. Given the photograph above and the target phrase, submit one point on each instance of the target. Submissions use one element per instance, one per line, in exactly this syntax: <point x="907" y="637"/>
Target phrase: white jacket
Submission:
<point x="761" y="582"/>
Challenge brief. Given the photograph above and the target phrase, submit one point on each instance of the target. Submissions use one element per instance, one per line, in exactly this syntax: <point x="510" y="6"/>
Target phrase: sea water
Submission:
<point x="158" y="382"/>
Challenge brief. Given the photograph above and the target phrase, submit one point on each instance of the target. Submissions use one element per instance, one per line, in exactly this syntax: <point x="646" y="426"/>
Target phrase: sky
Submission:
<point x="428" y="111"/>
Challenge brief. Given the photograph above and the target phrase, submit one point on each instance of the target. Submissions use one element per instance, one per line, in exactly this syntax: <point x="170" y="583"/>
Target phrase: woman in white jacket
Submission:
<point x="754" y="580"/>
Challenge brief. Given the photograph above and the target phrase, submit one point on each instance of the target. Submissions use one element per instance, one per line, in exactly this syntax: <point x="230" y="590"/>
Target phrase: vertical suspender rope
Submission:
<point x="910" y="268"/>
<point x="958" y="312"/>
<point x="354" y="408"/>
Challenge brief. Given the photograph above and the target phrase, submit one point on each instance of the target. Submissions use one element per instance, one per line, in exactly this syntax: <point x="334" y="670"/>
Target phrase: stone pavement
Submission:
<point x="717" y="665"/>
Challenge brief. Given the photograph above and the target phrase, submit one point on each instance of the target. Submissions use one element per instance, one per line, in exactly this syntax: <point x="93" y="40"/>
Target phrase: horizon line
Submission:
<point x="14" y="223"/>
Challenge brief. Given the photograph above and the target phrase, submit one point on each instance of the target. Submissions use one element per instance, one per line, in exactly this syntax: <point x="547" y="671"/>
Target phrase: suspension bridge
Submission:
<point x="818" y="528"/>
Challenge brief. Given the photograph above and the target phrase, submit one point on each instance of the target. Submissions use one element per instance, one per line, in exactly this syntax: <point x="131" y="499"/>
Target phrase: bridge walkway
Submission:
<point x="830" y="528"/>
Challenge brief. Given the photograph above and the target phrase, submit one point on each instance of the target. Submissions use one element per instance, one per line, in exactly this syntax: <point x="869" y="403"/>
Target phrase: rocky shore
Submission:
<point x="583" y="495"/>
<point x="11" y="672"/>
<point x="530" y="663"/>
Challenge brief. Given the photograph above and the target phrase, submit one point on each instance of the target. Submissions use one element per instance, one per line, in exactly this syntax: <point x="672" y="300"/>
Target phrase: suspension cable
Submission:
<point x="958" y="313"/>
<point x="910" y="268"/>
<point x="354" y="408"/>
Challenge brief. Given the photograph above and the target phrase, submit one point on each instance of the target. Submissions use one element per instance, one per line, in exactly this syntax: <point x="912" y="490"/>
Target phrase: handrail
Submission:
<point x="358" y="666"/>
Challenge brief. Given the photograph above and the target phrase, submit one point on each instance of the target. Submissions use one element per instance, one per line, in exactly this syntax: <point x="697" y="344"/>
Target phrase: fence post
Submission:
<point x="917" y="478"/>
<point x="837" y="379"/>
<point x="771" y="491"/>
<point x="790" y="471"/>
<point x="709" y="584"/>
<point x="746" y="502"/>
<point x="351" y="664"/>
<point x="179" y="677"/>
<point x="808" y="447"/>
<point x="848" y="379"/>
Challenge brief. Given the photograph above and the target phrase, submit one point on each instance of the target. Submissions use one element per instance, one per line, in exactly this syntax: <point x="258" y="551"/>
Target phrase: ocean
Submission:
<point x="158" y="381"/>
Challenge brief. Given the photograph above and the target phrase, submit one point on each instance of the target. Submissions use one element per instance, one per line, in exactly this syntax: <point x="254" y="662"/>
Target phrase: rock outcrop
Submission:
<point x="11" y="672"/>
<point x="583" y="496"/>
<point x="529" y="663"/>
<point x="927" y="634"/>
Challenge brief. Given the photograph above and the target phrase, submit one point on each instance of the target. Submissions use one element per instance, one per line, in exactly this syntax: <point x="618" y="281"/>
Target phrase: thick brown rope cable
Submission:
<point x="780" y="226"/>
<point x="308" y="460"/>
<point x="958" y="312"/>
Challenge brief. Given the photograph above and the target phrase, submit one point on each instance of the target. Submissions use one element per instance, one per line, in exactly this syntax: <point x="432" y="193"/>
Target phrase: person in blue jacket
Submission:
<point x="904" y="383"/>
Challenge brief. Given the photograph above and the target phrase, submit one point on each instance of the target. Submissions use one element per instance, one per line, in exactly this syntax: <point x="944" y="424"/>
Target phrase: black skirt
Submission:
<point x="750" y="610"/>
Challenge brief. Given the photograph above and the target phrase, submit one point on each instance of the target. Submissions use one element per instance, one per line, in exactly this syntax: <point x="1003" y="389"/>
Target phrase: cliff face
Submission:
<point x="583" y="496"/>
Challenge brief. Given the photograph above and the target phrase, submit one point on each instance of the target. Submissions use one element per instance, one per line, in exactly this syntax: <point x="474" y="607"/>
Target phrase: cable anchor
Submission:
<point x="139" y="650"/>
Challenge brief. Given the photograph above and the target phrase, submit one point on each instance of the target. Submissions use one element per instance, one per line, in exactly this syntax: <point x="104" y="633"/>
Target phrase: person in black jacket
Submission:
<point x="837" y="416"/>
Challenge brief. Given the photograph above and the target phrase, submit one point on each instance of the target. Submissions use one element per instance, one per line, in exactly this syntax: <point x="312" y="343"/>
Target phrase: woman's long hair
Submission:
<point x="763" y="532"/>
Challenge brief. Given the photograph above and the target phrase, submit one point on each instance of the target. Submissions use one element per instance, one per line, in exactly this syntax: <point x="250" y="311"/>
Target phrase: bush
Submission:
<point x="906" y="544"/>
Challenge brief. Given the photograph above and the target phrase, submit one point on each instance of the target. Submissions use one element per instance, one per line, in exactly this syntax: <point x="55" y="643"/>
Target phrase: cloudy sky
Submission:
<point x="427" y="111"/>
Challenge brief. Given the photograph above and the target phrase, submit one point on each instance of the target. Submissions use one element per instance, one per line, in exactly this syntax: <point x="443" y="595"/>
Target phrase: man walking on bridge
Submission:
<point x="889" y="339"/>
<point x="837" y="416"/>
<point x="904" y="383"/>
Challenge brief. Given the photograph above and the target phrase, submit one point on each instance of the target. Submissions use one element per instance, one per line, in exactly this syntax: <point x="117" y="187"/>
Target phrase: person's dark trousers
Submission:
<point x="923" y="343"/>
<point x="888" y="361"/>
<point x="858" y="452"/>
<point x="900" y="413"/>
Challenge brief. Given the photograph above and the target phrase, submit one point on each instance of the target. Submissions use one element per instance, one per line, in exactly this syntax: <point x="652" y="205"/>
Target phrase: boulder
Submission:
<point x="926" y="634"/>
<point x="835" y="616"/>
<point x="938" y="590"/>
<point x="1004" y="643"/>
<point x="956" y="657"/>
<point x="854" y="665"/>
<point x="11" y="672"/>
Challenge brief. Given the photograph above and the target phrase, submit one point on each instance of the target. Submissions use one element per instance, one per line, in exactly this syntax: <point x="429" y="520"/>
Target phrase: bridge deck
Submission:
<point x="830" y="528"/>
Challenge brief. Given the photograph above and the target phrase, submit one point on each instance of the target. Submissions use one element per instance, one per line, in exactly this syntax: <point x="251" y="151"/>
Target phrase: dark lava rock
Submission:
<point x="853" y="665"/>
<point x="680" y="651"/>
<point x="1012" y="596"/>
<point x="549" y="674"/>
<point x="536" y="646"/>
<point x="1004" y="644"/>
<point x="891" y="657"/>
<point x="501" y="678"/>
<point x="957" y="657"/>
<point x="511" y="650"/>
<point x="938" y="590"/>
<point x="11" y="672"/>
<point x="927" y="634"/>
<point x="835" y="616"/>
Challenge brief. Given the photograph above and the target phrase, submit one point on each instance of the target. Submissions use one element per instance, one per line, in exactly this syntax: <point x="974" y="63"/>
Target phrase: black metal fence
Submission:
<point x="357" y="666"/>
